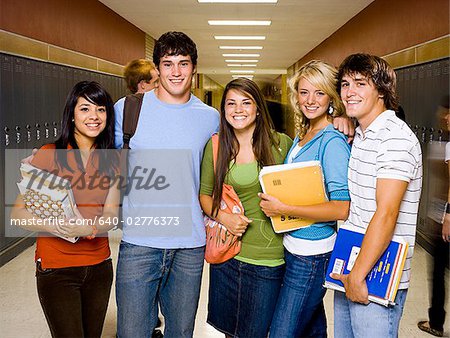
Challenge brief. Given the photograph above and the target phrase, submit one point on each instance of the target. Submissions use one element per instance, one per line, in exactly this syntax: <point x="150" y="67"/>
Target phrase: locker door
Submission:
<point x="409" y="104"/>
<point x="49" y="96"/>
<point x="70" y="82"/>
<point x="29" y="115"/>
<point x="40" y="103"/>
<point x="19" y="104"/>
<point x="6" y="102"/>
<point x="18" y="112"/>
<point x="6" y="92"/>
<point x="96" y="77"/>
<point x="76" y="76"/>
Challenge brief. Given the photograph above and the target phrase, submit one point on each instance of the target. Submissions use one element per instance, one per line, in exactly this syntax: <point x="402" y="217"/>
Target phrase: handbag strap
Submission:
<point x="215" y="148"/>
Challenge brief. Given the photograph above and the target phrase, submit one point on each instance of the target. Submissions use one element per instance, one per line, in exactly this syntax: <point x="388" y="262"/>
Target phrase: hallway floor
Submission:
<point x="21" y="314"/>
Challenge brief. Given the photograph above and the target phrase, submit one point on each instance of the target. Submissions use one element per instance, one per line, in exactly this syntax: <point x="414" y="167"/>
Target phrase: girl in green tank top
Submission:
<point x="244" y="290"/>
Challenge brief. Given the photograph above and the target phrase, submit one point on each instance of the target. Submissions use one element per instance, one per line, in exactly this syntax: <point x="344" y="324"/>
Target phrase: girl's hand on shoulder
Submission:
<point x="235" y="223"/>
<point x="271" y="206"/>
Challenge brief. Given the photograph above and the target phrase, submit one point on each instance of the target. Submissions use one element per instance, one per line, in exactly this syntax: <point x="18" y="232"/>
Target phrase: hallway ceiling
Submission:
<point x="297" y="27"/>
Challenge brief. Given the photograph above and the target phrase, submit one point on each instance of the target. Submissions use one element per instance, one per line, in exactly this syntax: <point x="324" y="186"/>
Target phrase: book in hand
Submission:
<point x="299" y="183"/>
<point x="384" y="278"/>
<point x="47" y="195"/>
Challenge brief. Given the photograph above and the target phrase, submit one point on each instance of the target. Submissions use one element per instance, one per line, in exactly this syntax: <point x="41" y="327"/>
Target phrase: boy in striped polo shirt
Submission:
<point x="385" y="180"/>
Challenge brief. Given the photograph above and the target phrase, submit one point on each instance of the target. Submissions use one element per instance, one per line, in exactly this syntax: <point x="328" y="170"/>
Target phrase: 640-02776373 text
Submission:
<point x="140" y="220"/>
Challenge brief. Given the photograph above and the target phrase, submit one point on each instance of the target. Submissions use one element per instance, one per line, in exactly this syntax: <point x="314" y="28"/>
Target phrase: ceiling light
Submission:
<point x="243" y="71"/>
<point x="239" y="22"/>
<point x="239" y="37"/>
<point x="242" y="55"/>
<point x="250" y="77"/>
<point x="240" y="1"/>
<point x="239" y="65"/>
<point x="240" y="47"/>
<point x="250" y="61"/>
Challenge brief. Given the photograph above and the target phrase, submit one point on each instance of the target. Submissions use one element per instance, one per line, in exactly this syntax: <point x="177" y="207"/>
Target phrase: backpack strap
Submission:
<point x="215" y="148"/>
<point x="131" y="111"/>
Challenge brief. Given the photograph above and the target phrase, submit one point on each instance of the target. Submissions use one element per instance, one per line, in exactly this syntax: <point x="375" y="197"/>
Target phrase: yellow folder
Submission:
<point x="294" y="184"/>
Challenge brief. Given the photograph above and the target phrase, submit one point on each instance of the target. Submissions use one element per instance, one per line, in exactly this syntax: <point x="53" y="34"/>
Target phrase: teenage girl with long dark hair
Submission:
<point x="74" y="279"/>
<point x="243" y="291"/>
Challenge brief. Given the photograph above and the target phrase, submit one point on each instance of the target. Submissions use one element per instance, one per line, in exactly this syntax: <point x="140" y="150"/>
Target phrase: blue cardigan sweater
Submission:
<point x="330" y="147"/>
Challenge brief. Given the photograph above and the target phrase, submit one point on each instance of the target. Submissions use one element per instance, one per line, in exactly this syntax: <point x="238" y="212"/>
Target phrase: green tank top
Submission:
<point x="260" y="244"/>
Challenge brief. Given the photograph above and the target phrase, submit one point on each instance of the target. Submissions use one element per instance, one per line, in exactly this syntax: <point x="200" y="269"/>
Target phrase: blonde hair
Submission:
<point x="323" y="76"/>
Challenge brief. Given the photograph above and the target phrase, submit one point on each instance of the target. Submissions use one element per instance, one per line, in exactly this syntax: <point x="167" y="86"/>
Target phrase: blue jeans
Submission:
<point x="358" y="320"/>
<point x="148" y="276"/>
<point x="242" y="298"/>
<point x="300" y="311"/>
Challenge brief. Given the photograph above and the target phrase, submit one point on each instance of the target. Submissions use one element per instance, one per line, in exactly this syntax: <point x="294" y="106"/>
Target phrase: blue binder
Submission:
<point x="383" y="279"/>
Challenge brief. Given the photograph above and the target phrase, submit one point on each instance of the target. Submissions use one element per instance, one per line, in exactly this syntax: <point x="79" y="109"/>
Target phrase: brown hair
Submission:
<point x="375" y="69"/>
<point x="263" y="140"/>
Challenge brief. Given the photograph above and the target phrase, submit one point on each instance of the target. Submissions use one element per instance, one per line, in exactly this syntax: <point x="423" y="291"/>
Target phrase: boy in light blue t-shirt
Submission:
<point x="162" y="251"/>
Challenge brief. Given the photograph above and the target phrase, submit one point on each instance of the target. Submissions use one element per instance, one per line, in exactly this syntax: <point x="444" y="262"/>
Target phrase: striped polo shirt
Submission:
<point x="386" y="149"/>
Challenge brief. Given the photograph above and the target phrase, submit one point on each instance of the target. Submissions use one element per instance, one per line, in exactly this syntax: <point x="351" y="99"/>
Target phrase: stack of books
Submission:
<point x="294" y="184"/>
<point x="384" y="278"/>
<point x="46" y="195"/>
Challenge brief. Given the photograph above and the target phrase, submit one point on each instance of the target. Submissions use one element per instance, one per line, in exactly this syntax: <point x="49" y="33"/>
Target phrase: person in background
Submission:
<point x="74" y="279"/>
<point x="165" y="270"/>
<point x="243" y="290"/>
<point x="439" y="193"/>
<point x="141" y="76"/>
<point x="300" y="311"/>
<point x="385" y="181"/>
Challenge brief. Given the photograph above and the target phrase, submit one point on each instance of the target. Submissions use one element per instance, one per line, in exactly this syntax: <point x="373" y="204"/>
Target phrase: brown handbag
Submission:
<point x="222" y="245"/>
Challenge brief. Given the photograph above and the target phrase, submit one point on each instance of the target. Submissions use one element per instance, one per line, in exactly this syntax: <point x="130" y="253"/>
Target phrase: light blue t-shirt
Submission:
<point x="165" y="130"/>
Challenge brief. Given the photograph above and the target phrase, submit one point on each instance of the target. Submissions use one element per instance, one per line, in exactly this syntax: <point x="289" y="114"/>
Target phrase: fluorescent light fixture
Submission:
<point x="249" y="61"/>
<point x="242" y="55"/>
<point x="239" y="1"/>
<point x="239" y="37"/>
<point x="241" y="47"/>
<point x="239" y="22"/>
<point x="250" y="77"/>
<point x="239" y="65"/>
<point x="243" y="71"/>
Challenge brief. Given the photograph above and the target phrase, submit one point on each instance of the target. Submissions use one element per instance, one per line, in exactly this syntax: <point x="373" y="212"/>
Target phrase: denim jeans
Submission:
<point x="300" y="311"/>
<point x="148" y="276"/>
<point x="353" y="320"/>
<point x="75" y="299"/>
<point x="242" y="298"/>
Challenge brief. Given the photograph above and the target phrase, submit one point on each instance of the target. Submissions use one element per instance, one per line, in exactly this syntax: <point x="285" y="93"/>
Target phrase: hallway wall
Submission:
<point x="385" y="27"/>
<point x="84" y="26"/>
